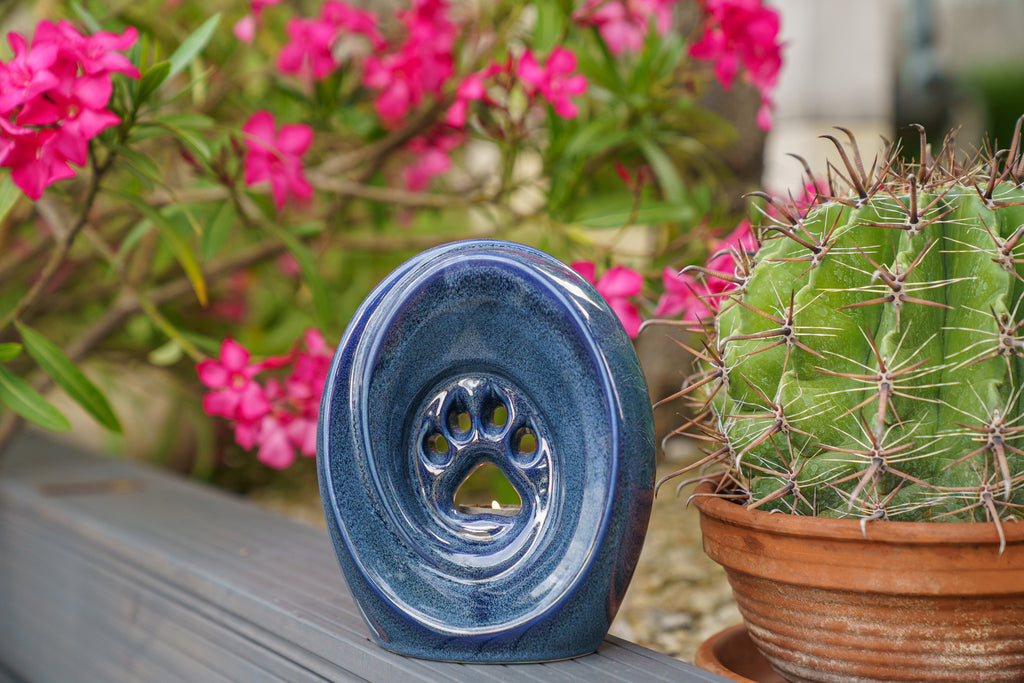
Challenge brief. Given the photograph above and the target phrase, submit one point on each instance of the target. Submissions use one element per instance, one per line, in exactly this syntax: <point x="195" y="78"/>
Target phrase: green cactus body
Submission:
<point x="873" y="357"/>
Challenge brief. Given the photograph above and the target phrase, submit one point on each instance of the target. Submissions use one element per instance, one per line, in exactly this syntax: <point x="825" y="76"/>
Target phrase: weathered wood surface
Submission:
<point x="111" y="571"/>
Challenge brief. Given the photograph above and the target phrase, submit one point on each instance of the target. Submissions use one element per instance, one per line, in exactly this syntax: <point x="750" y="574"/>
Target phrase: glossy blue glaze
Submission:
<point x="456" y="332"/>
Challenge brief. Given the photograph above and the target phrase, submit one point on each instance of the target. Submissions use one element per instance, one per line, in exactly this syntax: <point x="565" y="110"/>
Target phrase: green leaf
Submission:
<point x="178" y="245"/>
<point x="68" y="377"/>
<point x="310" y="274"/>
<point x="216" y="230"/>
<point x="191" y="140"/>
<point x="193" y="45"/>
<point x="618" y="214"/>
<point x="140" y="165"/>
<point x="9" y="352"/>
<point x="168" y="354"/>
<point x="19" y="396"/>
<point x="668" y="177"/>
<point x="185" y="120"/>
<point x="549" y="27"/>
<point x="87" y="18"/>
<point x="9" y="195"/>
<point x="152" y="79"/>
<point x="596" y="137"/>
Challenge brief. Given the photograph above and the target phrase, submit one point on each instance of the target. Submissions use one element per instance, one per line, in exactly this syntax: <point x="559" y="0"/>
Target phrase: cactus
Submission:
<point x="867" y="364"/>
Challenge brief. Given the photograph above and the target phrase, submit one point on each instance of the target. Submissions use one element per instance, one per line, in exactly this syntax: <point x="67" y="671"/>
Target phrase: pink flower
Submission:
<point x="698" y="300"/>
<point x="97" y="54"/>
<point x="276" y="156"/>
<point x="278" y="419"/>
<point x="471" y="89"/>
<point x="312" y="49"/>
<point x="26" y="76"/>
<point x="743" y="33"/>
<point x="683" y="295"/>
<point x="617" y="285"/>
<point x="353" y="20"/>
<point x="421" y="66"/>
<point x="53" y="100"/>
<point x="33" y="157"/>
<point x="309" y="49"/>
<point x="624" y="24"/>
<point x="245" y="28"/>
<point x="275" y="448"/>
<point x="432" y="158"/>
<point x="237" y="396"/>
<point x="555" y="80"/>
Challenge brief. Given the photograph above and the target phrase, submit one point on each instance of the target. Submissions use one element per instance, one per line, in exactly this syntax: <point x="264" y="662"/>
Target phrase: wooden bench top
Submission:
<point x="113" y="571"/>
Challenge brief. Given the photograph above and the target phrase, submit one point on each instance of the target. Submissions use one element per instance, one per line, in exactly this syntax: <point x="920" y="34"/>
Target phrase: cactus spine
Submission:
<point x="868" y="363"/>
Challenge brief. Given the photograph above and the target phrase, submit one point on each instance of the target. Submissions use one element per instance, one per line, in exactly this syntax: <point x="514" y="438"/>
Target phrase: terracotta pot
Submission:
<point x="900" y="601"/>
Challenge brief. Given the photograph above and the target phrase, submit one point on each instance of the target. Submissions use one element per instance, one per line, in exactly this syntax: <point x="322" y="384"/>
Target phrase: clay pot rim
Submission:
<point x="880" y="531"/>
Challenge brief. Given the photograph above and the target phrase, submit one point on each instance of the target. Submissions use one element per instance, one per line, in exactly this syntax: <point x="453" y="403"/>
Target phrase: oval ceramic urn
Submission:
<point x="486" y="352"/>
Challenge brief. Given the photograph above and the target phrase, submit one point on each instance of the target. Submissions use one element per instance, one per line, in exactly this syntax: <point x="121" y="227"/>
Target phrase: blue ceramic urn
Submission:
<point x="477" y="352"/>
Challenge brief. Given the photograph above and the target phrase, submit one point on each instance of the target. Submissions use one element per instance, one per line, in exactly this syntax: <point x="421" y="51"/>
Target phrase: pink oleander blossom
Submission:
<point x="624" y="24"/>
<point x="33" y="158"/>
<point x="355" y="21"/>
<point x="27" y="75"/>
<point x="276" y="156"/>
<point x="698" y="298"/>
<point x="277" y="418"/>
<point x="683" y="296"/>
<point x="471" y="89"/>
<point x="97" y="54"/>
<point x="245" y="28"/>
<point x="618" y="285"/>
<point x="316" y="45"/>
<point x="432" y="158"/>
<point x="555" y="80"/>
<point x="53" y="100"/>
<point x="421" y="66"/>
<point x="309" y="49"/>
<point x="743" y="33"/>
<point x="236" y="395"/>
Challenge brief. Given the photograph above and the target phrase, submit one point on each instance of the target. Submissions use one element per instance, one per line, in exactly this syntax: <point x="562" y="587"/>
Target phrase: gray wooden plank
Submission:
<point x="116" y="621"/>
<point x="161" y="627"/>
<point x="228" y="587"/>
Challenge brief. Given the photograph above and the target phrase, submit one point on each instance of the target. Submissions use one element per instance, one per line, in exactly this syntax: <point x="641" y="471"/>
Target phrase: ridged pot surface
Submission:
<point x="828" y="600"/>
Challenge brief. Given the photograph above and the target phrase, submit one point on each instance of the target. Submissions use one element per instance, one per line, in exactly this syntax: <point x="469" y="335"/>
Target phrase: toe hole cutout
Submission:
<point x="459" y="421"/>
<point x="436" y="447"/>
<point x="525" y="442"/>
<point x="498" y="415"/>
<point x="486" y="490"/>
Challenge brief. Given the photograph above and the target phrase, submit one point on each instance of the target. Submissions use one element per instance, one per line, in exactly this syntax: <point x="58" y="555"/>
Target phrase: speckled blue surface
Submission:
<point x="461" y="329"/>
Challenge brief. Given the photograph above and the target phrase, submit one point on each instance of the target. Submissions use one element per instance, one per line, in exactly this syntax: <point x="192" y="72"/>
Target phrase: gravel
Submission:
<point x="678" y="597"/>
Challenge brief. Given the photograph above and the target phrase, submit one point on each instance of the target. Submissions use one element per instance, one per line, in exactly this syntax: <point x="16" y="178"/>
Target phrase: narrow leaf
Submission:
<point x="9" y="195"/>
<point x="19" y="396"/>
<point x="310" y="274"/>
<point x="141" y="165"/>
<point x="668" y="177"/>
<point x="216" y="230"/>
<point x="68" y="377"/>
<point x="179" y="247"/>
<point x="193" y="45"/>
<point x="152" y="79"/>
<point x="193" y="141"/>
<point x="9" y="352"/>
<point x="87" y="18"/>
<point x="549" y="26"/>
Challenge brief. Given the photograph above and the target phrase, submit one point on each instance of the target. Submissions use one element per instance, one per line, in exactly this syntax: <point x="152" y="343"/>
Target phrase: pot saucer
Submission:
<point x="732" y="654"/>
